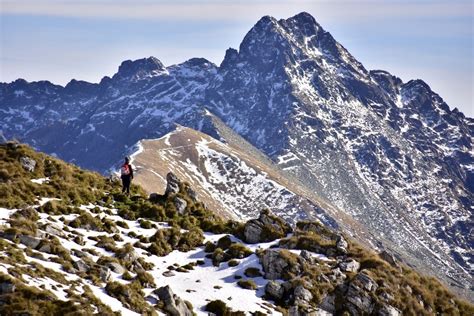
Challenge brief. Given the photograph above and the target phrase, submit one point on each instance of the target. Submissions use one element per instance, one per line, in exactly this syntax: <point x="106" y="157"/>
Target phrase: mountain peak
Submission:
<point x="140" y="69"/>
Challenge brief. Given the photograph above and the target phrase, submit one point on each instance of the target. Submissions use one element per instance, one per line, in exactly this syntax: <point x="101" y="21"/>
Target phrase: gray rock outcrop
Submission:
<point x="266" y="228"/>
<point x="172" y="184"/>
<point x="28" y="163"/>
<point x="274" y="290"/>
<point x="278" y="266"/>
<point x="173" y="304"/>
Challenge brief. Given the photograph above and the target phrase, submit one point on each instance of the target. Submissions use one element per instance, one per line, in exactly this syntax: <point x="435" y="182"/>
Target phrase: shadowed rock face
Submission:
<point x="391" y="154"/>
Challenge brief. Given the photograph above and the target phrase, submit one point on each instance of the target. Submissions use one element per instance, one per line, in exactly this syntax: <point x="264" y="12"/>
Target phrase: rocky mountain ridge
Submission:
<point x="392" y="155"/>
<point x="71" y="243"/>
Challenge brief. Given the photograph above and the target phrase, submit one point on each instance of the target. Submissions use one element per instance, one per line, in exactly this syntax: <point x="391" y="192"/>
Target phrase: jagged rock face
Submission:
<point x="174" y="305"/>
<point x="391" y="154"/>
<point x="266" y="228"/>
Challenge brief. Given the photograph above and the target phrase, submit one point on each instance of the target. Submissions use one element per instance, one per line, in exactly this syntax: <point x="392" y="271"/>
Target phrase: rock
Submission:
<point x="252" y="231"/>
<point x="105" y="274"/>
<point x="29" y="241"/>
<point x="328" y="304"/>
<point x="305" y="254"/>
<point x="366" y="282"/>
<point x="277" y="266"/>
<point x="387" y="297"/>
<point x="388" y="310"/>
<point x="337" y="276"/>
<point x="341" y="244"/>
<point x="53" y="230"/>
<point x="115" y="267"/>
<point x="390" y="258"/>
<point x="81" y="266"/>
<point x="306" y="311"/>
<point x="302" y="295"/>
<point x="128" y="256"/>
<point x="191" y="193"/>
<point x="266" y="228"/>
<point x="168" y="273"/>
<point x="180" y="205"/>
<point x="358" y="294"/>
<point x="28" y="163"/>
<point x="173" y="305"/>
<point x="172" y="184"/>
<point x="80" y="253"/>
<point x="45" y="247"/>
<point x="7" y="287"/>
<point x="349" y="266"/>
<point x="274" y="290"/>
<point x="359" y="301"/>
<point x="224" y="242"/>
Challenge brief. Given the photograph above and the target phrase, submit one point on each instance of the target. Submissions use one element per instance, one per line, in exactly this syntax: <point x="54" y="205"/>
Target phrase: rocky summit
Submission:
<point x="72" y="243"/>
<point x="391" y="161"/>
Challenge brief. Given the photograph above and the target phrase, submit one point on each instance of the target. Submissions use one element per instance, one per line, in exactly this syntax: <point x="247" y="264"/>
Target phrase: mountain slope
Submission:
<point x="391" y="154"/>
<point x="227" y="179"/>
<point x="86" y="248"/>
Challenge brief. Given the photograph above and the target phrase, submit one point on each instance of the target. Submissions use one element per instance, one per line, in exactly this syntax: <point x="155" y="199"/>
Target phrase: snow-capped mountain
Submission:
<point x="393" y="155"/>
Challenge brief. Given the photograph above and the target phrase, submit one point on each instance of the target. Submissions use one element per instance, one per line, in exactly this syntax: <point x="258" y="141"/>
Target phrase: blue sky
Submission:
<point x="58" y="40"/>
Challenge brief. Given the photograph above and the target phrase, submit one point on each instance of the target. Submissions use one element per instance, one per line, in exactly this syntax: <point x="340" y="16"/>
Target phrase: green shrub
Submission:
<point x="247" y="284"/>
<point x="238" y="251"/>
<point x="252" y="272"/>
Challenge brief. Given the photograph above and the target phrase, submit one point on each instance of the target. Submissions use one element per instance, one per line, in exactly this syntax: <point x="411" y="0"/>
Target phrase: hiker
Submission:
<point x="126" y="175"/>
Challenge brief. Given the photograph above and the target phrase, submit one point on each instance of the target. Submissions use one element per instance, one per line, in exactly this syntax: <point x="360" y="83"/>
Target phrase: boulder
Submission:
<point x="128" y="256"/>
<point x="302" y="295"/>
<point x="359" y="294"/>
<point x="349" y="266"/>
<point x="45" y="247"/>
<point x="105" y="274"/>
<point x="28" y="163"/>
<point x="328" y="304"/>
<point x="306" y="311"/>
<point x="390" y="258"/>
<point x="341" y="244"/>
<point x="172" y="184"/>
<point x="180" y="205"/>
<point x="388" y="310"/>
<point x="115" y="267"/>
<point x="29" y="241"/>
<point x="81" y="266"/>
<point x="337" y="276"/>
<point x="168" y="274"/>
<point x="359" y="301"/>
<point x="274" y="290"/>
<point x="267" y="227"/>
<point x="173" y="305"/>
<point x="366" y="282"/>
<point x="277" y="265"/>
<point x="53" y="230"/>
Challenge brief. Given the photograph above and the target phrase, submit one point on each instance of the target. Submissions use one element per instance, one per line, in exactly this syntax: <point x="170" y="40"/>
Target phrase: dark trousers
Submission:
<point x="126" y="180"/>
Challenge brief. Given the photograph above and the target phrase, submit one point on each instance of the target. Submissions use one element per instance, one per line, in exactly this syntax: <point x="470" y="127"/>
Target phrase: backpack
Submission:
<point x="125" y="170"/>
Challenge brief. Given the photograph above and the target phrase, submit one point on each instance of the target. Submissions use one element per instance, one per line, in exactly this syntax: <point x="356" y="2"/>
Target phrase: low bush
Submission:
<point x="247" y="284"/>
